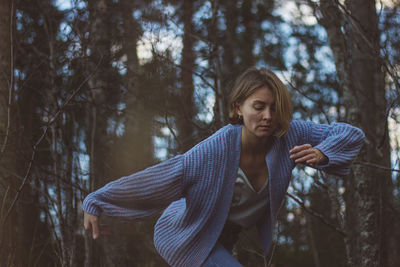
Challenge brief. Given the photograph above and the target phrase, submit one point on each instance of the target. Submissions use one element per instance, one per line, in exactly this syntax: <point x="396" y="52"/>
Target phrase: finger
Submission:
<point x="95" y="229"/>
<point x="312" y="161"/>
<point x="304" y="159"/>
<point x="86" y="223"/>
<point x="302" y="153"/>
<point x="300" y="148"/>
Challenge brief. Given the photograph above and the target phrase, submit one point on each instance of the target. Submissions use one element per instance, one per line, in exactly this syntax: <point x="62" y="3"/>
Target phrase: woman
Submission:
<point x="235" y="178"/>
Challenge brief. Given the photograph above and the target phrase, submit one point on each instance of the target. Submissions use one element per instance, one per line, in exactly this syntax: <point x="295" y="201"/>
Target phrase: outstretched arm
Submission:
<point x="139" y="195"/>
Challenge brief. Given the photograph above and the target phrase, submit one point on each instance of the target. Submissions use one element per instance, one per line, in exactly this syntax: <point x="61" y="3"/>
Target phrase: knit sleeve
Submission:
<point x="339" y="142"/>
<point x="140" y="195"/>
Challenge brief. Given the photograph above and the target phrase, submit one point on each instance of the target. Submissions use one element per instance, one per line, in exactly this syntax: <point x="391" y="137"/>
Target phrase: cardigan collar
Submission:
<point x="238" y="143"/>
<point x="265" y="226"/>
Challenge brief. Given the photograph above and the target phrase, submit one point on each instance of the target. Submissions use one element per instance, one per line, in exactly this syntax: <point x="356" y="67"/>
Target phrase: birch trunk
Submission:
<point x="356" y="50"/>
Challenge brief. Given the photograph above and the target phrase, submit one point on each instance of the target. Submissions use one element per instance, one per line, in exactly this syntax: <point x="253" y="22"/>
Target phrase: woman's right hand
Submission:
<point x="91" y="222"/>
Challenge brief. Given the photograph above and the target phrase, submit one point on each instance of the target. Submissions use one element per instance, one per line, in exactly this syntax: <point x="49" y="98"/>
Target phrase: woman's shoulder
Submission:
<point x="301" y="125"/>
<point x="312" y="129"/>
<point x="224" y="135"/>
<point x="296" y="126"/>
<point x="299" y="129"/>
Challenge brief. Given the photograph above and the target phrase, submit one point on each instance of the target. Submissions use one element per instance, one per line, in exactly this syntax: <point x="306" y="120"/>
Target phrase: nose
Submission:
<point x="267" y="115"/>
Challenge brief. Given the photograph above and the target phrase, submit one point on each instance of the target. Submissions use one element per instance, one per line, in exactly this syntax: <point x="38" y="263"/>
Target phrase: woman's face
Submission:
<point x="258" y="112"/>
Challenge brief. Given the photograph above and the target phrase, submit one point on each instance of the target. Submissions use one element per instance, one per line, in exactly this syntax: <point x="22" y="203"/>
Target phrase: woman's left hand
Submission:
<point x="307" y="154"/>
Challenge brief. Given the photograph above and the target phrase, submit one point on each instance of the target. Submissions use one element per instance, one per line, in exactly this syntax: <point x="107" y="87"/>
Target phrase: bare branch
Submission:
<point x="316" y="214"/>
<point x="11" y="84"/>
<point x="308" y="97"/>
<point x="173" y="132"/>
<point x="375" y="166"/>
<point x="46" y="127"/>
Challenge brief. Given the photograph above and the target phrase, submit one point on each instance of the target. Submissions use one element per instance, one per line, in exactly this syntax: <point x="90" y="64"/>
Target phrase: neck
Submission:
<point x="253" y="144"/>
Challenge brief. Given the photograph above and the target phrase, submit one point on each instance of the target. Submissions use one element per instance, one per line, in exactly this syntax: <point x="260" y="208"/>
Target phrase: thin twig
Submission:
<point x="3" y="202"/>
<point x="317" y="103"/>
<point x="173" y="132"/>
<point x="375" y="166"/>
<point x="254" y="252"/>
<point x="69" y="183"/>
<point x="317" y="215"/>
<point x="46" y="127"/>
<point x="11" y="85"/>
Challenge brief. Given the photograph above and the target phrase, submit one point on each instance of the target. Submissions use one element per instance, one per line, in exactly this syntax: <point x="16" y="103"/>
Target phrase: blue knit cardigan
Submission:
<point x="194" y="190"/>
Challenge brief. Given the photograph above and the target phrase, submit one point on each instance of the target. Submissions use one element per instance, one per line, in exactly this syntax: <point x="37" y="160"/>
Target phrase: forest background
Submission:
<point x="92" y="90"/>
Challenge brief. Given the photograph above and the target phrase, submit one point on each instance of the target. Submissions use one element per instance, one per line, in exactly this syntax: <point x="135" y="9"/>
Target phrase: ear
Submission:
<point x="237" y="110"/>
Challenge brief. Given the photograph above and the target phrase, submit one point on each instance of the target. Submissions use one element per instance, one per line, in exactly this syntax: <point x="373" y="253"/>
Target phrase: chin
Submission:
<point x="264" y="133"/>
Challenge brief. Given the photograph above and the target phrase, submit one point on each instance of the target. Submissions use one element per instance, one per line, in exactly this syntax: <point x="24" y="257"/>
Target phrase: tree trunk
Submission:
<point x="230" y="53"/>
<point x="310" y="237"/>
<point x="8" y="234"/>
<point x="359" y="68"/>
<point x="132" y="244"/>
<point x="186" y="119"/>
<point x="99" y="67"/>
<point x="139" y="115"/>
<point x="249" y="24"/>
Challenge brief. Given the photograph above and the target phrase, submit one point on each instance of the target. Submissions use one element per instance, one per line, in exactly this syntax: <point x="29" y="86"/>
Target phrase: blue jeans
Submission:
<point x="220" y="257"/>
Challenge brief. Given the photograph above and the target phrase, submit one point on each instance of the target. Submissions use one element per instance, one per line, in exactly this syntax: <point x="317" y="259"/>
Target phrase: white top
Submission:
<point x="247" y="204"/>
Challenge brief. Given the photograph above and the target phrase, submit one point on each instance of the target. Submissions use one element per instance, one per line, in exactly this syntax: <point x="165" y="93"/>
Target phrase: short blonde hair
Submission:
<point x="251" y="80"/>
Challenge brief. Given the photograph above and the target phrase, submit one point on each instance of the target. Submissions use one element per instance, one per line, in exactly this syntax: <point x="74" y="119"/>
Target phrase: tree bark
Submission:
<point x="230" y="53"/>
<point x="248" y="41"/>
<point x="8" y="234"/>
<point x="186" y="119"/>
<point x="356" y="50"/>
<point x="99" y="67"/>
<point x="139" y="116"/>
<point x="310" y="236"/>
<point x="216" y="65"/>
<point x="132" y="243"/>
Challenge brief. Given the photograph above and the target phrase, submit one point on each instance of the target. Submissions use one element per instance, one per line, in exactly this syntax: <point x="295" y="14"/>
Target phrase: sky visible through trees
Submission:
<point x="103" y="88"/>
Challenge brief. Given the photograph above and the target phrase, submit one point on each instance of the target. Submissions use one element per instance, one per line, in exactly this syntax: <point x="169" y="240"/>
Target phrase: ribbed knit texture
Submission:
<point x="194" y="190"/>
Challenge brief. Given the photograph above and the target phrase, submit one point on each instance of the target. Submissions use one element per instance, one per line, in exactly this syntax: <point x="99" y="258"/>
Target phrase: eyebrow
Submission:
<point x="261" y="102"/>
